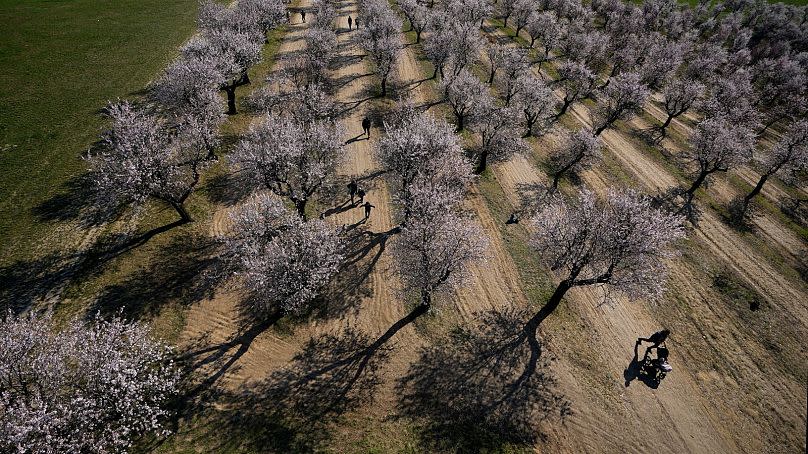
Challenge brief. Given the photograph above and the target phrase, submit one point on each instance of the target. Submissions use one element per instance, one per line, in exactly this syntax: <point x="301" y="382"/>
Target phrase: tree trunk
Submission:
<point x="300" y="205"/>
<point x="530" y="121"/>
<point x="481" y="164"/>
<point x="491" y="77"/>
<point x="417" y="36"/>
<point x="231" y="99"/>
<point x="549" y="307"/>
<point x="748" y="198"/>
<point x="602" y="128"/>
<point x="180" y="208"/>
<point x="532" y="42"/>
<point x="564" y="108"/>
<point x="384" y="86"/>
<point x="690" y="192"/>
<point x="460" y="122"/>
<point x="426" y="298"/>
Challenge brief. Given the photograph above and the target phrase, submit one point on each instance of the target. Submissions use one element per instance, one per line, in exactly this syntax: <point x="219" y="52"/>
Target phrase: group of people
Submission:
<point x="358" y="198"/>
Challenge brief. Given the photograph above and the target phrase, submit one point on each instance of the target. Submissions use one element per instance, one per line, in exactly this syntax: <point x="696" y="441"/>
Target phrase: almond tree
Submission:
<point x="521" y="14"/>
<point x="495" y="54"/>
<point x="144" y="157"/>
<point x="187" y="89"/>
<point x="380" y="39"/>
<point x="620" y="241"/>
<point x="717" y="145"/>
<point x="293" y="159"/>
<point x="787" y="158"/>
<point x="679" y="95"/>
<point x="621" y="100"/>
<point x="321" y="46"/>
<point x="87" y="387"/>
<point x="435" y="254"/>
<point x="732" y="97"/>
<point x="580" y="151"/>
<point x="499" y="138"/>
<point x="265" y="14"/>
<point x="281" y="260"/>
<point x="515" y="67"/>
<point x="231" y="52"/>
<point x="537" y="103"/>
<point x="438" y="50"/>
<point x="282" y="95"/>
<point x="423" y="152"/>
<point x="662" y="58"/>
<point x="188" y="86"/>
<point x="781" y="85"/>
<point x="576" y="82"/>
<point x="467" y="96"/>
<point x="469" y="11"/>
<point x="548" y="30"/>
<point x="465" y="44"/>
<point x="418" y="15"/>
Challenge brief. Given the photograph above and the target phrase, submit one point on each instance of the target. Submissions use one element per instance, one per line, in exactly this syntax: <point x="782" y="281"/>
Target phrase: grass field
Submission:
<point x="61" y="61"/>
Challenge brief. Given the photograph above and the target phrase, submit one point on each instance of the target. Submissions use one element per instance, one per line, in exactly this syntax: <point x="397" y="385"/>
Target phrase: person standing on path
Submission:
<point x="352" y="188"/>
<point x="361" y="193"/>
<point x="288" y="17"/>
<point x="356" y="22"/>
<point x="368" y="207"/>
<point x="366" y="126"/>
<point x="349" y="22"/>
<point x="303" y="16"/>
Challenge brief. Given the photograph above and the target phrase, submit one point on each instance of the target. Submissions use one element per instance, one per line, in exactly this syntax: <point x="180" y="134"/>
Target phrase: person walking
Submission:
<point x="368" y="207"/>
<point x="356" y="23"/>
<point x="303" y="16"/>
<point x="349" y="22"/>
<point x="366" y="126"/>
<point x="361" y="193"/>
<point x="352" y="188"/>
<point x="288" y="17"/>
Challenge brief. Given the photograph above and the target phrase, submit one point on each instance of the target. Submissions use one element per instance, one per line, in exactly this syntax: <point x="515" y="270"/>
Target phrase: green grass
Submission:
<point x="62" y="60"/>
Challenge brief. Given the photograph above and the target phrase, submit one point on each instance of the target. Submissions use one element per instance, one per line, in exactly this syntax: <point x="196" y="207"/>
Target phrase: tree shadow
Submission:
<point x="486" y="386"/>
<point x="346" y="291"/>
<point x="78" y="200"/>
<point x="24" y="283"/>
<point x="532" y="197"/>
<point x="296" y="407"/>
<point x="187" y="270"/>
<point x="228" y="189"/>
<point x="342" y="81"/>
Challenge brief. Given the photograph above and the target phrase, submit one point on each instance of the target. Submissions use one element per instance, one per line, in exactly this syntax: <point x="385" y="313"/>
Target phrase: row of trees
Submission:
<point x="710" y="61"/>
<point x="289" y="156"/>
<point x="157" y="148"/>
<point x="98" y="385"/>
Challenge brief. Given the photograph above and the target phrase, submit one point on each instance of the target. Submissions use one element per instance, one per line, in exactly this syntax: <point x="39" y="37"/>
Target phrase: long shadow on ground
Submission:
<point x="486" y="386"/>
